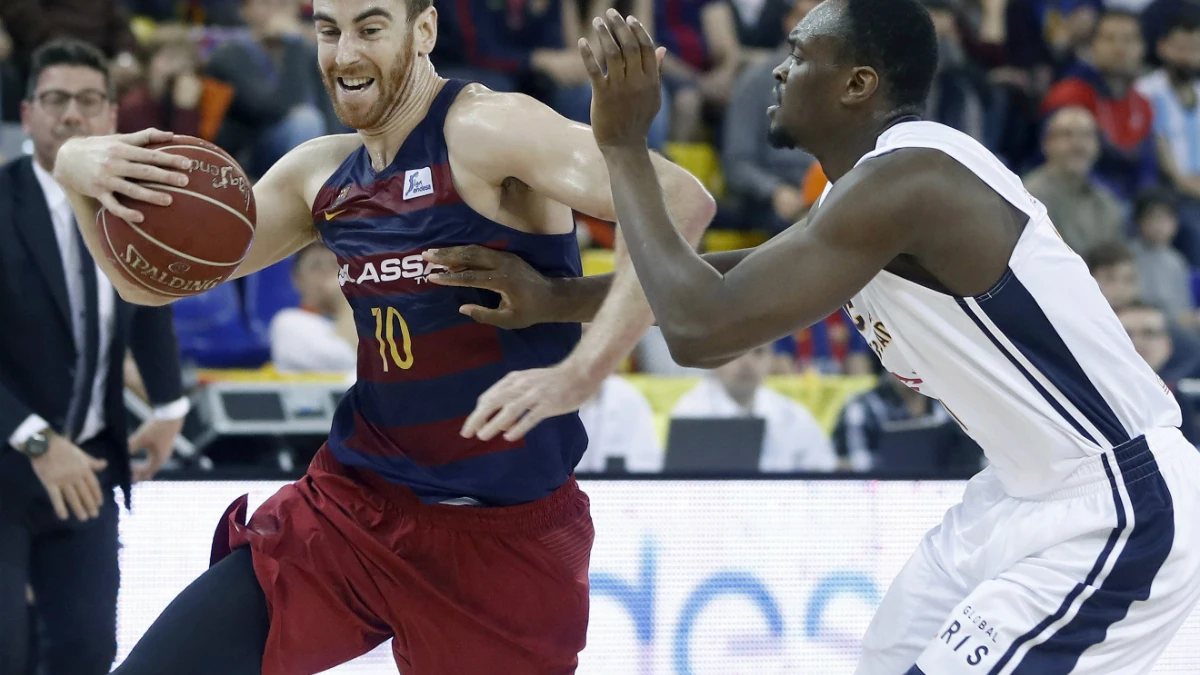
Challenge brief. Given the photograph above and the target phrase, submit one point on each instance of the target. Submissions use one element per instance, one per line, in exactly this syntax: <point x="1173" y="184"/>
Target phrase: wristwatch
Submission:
<point x="36" y="446"/>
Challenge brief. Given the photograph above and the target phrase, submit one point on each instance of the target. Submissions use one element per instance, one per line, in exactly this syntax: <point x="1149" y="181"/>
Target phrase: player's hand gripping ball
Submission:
<point x="197" y="241"/>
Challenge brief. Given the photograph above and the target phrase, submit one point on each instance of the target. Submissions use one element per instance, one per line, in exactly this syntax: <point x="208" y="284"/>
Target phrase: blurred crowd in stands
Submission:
<point x="1093" y="102"/>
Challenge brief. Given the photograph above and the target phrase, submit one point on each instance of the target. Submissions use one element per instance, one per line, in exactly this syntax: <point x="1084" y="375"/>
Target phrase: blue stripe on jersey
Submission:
<point x="1014" y="311"/>
<point x="502" y="478"/>
<point x="1130" y="578"/>
<point x="1032" y="380"/>
<point x="915" y="670"/>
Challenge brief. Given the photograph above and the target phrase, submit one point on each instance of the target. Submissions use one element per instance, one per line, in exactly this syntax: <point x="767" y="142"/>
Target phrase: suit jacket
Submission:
<point x="37" y="349"/>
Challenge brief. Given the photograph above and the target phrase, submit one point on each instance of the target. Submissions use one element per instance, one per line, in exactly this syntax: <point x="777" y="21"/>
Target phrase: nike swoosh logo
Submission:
<point x="334" y="214"/>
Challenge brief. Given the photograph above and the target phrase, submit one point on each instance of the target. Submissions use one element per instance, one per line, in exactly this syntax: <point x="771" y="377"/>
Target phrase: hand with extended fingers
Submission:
<point x="626" y="82"/>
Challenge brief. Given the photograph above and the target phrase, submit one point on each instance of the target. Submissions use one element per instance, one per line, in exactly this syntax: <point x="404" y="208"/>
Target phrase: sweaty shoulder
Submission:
<point x="479" y="110"/>
<point x="483" y="126"/>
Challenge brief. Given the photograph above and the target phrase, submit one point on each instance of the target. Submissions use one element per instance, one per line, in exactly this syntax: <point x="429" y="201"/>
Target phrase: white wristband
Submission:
<point x="175" y="410"/>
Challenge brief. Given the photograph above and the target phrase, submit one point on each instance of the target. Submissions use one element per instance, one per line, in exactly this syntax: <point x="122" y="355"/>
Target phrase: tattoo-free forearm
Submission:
<point x="678" y="283"/>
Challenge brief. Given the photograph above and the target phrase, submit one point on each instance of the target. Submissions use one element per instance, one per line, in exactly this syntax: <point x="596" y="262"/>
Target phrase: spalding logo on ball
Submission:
<point x="200" y="239"/>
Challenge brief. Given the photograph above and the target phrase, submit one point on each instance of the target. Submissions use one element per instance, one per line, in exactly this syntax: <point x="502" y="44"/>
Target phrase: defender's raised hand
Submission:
<point x="626" y="83"/>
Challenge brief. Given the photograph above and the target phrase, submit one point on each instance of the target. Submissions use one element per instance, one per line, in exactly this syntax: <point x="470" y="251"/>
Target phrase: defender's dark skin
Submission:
<point x="914" y="212"/>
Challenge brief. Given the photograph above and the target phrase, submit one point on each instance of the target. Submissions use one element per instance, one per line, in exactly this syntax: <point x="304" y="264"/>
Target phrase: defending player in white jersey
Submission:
<point x="1078" y="549"/>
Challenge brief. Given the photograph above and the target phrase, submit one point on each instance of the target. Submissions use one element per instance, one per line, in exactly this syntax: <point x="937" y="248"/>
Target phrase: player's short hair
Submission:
<point x="415" y="7"/>
<point x="67" y="52"/>
<point x="1108" y="254"/>
<point x="897" y="39"/>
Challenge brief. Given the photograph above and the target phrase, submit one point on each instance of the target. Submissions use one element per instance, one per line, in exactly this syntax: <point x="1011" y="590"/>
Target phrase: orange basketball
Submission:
<point x="200" y="239"/>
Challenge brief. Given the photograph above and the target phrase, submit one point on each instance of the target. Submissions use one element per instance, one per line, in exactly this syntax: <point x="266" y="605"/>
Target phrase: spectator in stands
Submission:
<point x="279" y="101"/>
<point x="1103" y="83"/>
<point x="884" y="416"/>
<point x="1163" y="274"/>
<point x="959" y="93"/>
<point x="765" y="180"/>
<point x="528" y="47"/>
<point x="315" y="337"/>
<point x="793" y="441"/>
<point x="758" y="27"/>
<point x="1115" y="270"/>
<point x="1159" y="15"/>
<point x="703" y="58"/>
<point x="169" y="95"/>
<point x="1174" y="92"/>
<point x="574" y="100"/>
<point x="621" y="432"/>
<point x="101" y="23"/>
<point x="832" y="346"/>
<point x="506" y="46"/>
<point x="1085" y="212"/>
<point x="1047" y="36"/>
<point x="1150" y="332"/>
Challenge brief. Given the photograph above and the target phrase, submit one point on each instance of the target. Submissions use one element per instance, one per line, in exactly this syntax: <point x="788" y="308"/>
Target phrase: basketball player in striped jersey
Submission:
<point x="470" y="553"/>
<point x="1077" y="550"/>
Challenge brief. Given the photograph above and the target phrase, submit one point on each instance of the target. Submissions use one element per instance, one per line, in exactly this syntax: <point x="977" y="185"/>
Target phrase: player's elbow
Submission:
<point x="691" y="347"/>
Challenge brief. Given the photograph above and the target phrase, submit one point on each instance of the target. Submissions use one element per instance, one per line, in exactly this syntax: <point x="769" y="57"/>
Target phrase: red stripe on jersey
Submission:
<point x="427" y="445"/>
<point x="385" y="197"/>
<point x="429" y="356"/>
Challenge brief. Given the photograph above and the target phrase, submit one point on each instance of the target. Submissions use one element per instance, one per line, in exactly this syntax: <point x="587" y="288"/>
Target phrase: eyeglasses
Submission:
<point x="91" y="101"/>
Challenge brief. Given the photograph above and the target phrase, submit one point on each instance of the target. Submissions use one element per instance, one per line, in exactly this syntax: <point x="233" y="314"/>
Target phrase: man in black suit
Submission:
<point x="63" y="338"/>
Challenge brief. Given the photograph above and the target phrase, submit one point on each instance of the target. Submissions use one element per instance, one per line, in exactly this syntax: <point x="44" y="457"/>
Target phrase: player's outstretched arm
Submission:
<point x="792" y="281"/>
<point x="504" y="136"/>
<point x="283" y="200"/>
<point x="526" y="296"/>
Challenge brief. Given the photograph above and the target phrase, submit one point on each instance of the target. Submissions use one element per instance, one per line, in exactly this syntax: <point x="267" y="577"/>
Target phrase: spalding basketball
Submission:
<point x="200" y="239"/>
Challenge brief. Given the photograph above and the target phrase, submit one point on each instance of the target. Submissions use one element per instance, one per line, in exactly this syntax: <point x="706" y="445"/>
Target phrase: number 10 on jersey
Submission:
<point x="385" y="335"/>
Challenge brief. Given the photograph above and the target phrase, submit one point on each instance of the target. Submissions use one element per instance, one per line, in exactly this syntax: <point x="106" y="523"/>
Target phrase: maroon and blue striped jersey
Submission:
<point x="421" y="363"/>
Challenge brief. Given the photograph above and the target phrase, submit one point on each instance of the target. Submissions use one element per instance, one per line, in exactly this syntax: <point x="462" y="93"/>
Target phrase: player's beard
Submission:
<point x="387" y="99"/>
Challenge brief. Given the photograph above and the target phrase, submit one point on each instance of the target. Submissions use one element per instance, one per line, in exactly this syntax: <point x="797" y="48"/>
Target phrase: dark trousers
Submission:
<point x="72" y="568"/>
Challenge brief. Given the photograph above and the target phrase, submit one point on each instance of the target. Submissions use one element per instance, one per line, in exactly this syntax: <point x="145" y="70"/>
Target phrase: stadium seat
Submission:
<point x="702" y="161"/>
<point x="1196" y="286"/>
<point x="213" y="332"/>
<point x="268" y="291"/>
<point x="597" y="261"/>
<point x="732" y="240"/>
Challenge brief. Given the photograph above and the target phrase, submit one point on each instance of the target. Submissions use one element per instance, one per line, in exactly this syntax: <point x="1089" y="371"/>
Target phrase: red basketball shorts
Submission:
<point x="348" y="560"/>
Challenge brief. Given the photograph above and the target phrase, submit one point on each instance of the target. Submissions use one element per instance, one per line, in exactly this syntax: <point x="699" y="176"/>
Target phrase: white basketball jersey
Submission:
<point x="1038" y="370"/>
